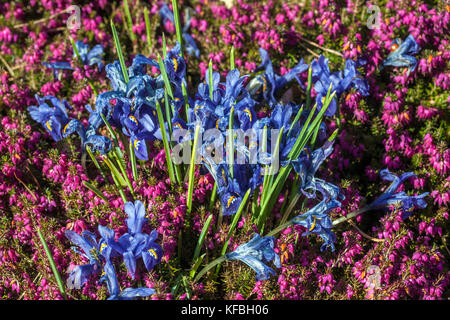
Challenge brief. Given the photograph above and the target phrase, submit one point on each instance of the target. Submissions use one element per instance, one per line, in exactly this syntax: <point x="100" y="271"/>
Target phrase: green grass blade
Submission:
<point x="133" y="162"/>
<point x="168" y="112"/>
<point x="196" y="265"/>
<point x="129" y="21"/>
<point x="213" y="197"/>
<point x="176" y="16"/>
<point x="192" y="169"/>
<point x="201" y="239"/>
<point x="308" y="88"/>
<point x="166" y="143"/>
<point x="210" y="84"/>
<point x="94" y="160"/>
<point x="186" y="101"/>
<point x="164" y="46"/>
<point x="95" y="190"/>
<point x="162" y="68"/>
<point x="148" y="31"/>
<point x="120" y="53"/>
<point x="232" y="59"/>
<point x="231" y="142"/>
<point x="297" y="117"/>
<point x="114" y="171"/>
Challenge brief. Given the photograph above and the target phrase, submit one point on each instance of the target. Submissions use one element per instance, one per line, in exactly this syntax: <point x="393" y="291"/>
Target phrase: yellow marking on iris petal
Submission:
<point x="307" y="152"/>
<point x="176" y="124"/>
<point x="153" y="253"/>
<point x="230" y="200"/>
<point x="223" y="175"/>
<point x="176" y="99"/>
<point x="249" y="114"/>
<point x="264" y="84"/>
<point x="253" y="143"/>
<point x="313" y="225"/>
<point x="48" y="125"/>
<point x="103" y="246"/>
<point x="65" y="128"/>
<point x="175" y="64"/>
<point x="197" y="107"/>
<point x="133" y="119"/>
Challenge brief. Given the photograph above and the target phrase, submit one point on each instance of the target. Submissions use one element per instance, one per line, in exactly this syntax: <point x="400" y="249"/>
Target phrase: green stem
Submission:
<point x="201" y="239"/>
<point x="192" y="169"/>
<point x="231" y="143"/>
<point x="52" y="264"/>
<point x="209" y="267"/>
<point x="88" y="149"/>
<point x="291" y="206"/>
<point x="148" y="31"/>
<point x="166" y="143"/>
<point x="176" y="17"/>
<point x="129" y="20"/>
<point x="120" y="53"/>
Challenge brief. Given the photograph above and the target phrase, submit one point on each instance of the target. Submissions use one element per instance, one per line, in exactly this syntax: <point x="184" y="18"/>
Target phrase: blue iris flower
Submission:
<point x="316" y="220"/>
<point x="340" y="81"/>
<point x="90" y="57"/>
<point x="267" y="84"/>
<point x="307" y="164"/>
<point x="52" y="118"/>
<point x="57" y="67"/>
<point x="214" y="113"/>
<point x="401" y="54"/>
<point x="139" y="126"/>
<point x="175" y="66"/>
<point x="134" y="244"/>
<point x="95" y="251"/>
<point x="114" y="289"/>
<point x="255" y="253"/>
<point x="401" y="199"/>
<point x="88" y="135"/>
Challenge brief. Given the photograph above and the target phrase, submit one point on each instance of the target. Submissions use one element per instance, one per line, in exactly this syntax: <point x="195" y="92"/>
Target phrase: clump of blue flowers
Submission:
<point x="131" y="247"/>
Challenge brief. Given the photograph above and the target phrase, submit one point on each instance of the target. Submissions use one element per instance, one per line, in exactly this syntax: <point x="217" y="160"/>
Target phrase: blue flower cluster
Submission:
<point x="252" y="143"/>
<point x="131" y="246"/>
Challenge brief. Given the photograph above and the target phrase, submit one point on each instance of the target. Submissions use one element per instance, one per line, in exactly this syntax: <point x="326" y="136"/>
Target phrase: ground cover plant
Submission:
<point x="224" y="150"/>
